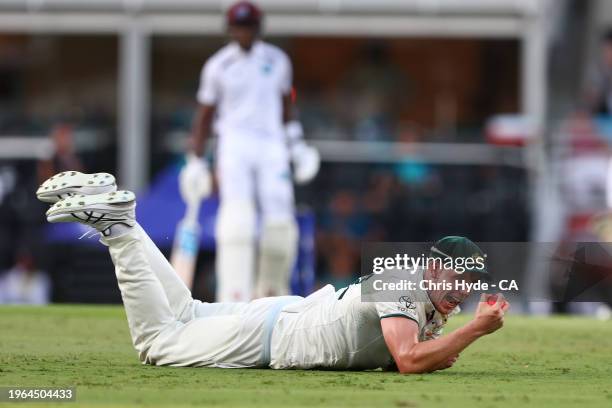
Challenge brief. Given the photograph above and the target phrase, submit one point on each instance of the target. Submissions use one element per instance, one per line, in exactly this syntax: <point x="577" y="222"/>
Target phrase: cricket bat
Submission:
<point x="187" y="243"/>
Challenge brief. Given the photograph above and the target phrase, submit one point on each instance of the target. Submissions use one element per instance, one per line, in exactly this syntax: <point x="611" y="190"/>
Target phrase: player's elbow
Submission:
<point x="409" y="368"/>
<point x="412" y="363"/>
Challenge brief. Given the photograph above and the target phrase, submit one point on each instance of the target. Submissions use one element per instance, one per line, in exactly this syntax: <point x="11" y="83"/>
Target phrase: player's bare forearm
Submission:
<point x="435" y="354"/>
<point x="412" y="356"/>
<point x="202" y="123"/>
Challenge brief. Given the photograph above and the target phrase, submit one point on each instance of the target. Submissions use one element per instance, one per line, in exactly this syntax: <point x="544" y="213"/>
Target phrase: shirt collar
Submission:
<point x="428" y="305"/>
<point x="255" y="48"/>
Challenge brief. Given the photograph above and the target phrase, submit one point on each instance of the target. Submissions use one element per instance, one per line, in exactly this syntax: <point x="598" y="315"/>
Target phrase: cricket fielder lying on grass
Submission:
<point x="329" y="329"/>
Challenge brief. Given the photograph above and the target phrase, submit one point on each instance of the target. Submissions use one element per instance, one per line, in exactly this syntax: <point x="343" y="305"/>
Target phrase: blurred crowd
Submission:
<point x="23" y="246"/>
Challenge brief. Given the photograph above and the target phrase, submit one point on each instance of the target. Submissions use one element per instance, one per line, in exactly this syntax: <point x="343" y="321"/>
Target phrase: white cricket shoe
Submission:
<point x="100" y="211"/>
<point x="71" y="183"/>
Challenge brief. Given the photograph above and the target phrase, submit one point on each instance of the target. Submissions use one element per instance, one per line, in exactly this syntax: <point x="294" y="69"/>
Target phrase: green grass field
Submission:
<point x="532" y="362"/>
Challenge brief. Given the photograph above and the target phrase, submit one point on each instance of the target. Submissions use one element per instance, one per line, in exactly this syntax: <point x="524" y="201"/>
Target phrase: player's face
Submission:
<point x="244" y="36"/>
<point x="446" y="300"/>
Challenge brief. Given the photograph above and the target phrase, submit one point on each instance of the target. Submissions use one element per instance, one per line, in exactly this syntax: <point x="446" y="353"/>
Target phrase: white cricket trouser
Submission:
<point x="169" y="327"/>
<point x="256" y="169"/>
<point x="254" y="177"/>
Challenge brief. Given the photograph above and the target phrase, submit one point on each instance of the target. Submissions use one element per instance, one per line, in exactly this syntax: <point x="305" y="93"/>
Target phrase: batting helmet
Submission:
<point x="244" y="13"/>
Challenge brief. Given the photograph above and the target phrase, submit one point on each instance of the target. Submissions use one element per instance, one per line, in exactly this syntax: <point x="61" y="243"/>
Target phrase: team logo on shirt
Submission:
<point x="266" y="68"/>
<point x="407" y="302"/>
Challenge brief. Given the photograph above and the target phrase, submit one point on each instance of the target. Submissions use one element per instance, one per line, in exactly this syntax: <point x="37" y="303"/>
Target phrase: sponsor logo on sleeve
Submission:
<point x="406" y="304"/>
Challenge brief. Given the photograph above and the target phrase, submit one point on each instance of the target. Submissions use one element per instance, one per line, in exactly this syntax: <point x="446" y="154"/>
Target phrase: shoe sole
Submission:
<point x="71" y="183"/>
<point x="114" y="202"/>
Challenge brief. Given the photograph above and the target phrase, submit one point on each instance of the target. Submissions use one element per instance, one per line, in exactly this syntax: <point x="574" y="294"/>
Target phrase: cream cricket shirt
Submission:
<point x="337" y="330"/>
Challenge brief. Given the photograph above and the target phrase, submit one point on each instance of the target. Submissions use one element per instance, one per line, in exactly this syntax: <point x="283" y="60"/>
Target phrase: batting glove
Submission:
<point x="195" y="181"/>
<point x="306" y="159"/>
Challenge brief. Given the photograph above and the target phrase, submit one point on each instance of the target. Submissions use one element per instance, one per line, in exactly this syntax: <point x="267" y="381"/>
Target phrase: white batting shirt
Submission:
<point x="247" y="87"/>
<point x="338" y="330"/>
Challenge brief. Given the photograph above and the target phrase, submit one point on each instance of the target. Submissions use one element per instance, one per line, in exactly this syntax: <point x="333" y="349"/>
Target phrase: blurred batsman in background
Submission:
<point x="245" y="96"/>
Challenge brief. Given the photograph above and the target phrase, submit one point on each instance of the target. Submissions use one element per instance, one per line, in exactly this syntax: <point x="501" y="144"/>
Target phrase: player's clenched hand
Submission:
<point x="194" y="180"/>
<point x="448" y="363"/>
<point x="489" y="315"/>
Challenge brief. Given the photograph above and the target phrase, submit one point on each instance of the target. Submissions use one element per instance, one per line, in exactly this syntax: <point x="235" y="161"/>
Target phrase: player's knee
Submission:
<point x="143" y="357"/>
<point x="153" y="346"/>
<point x="143" y="350"/>
<point x="279" y="235"/>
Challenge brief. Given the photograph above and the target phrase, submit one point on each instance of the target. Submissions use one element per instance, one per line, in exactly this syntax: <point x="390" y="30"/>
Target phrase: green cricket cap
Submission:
<point x="461" y="247"/>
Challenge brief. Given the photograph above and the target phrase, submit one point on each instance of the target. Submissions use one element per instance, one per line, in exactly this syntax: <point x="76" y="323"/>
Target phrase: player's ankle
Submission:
<point x="117" y="230"/>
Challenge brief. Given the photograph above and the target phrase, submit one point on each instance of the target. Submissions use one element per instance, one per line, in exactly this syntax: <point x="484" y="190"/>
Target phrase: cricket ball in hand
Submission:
<point x="492" y="299"/>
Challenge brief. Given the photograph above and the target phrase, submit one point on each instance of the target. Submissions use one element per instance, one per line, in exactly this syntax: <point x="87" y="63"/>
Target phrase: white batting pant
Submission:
<point x="254" y="176"/>
<point x="256" y="170"/>
<point x="168" y="327"/>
